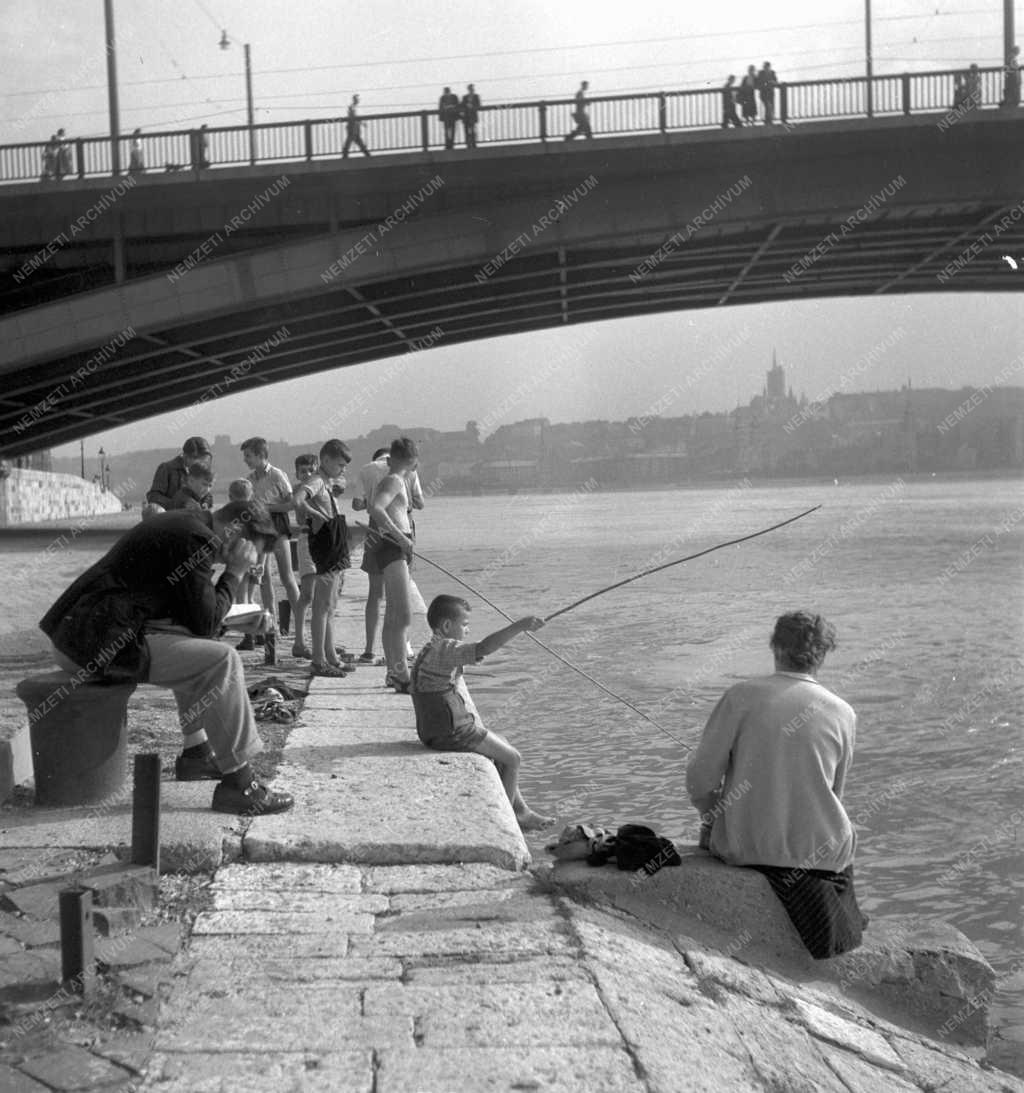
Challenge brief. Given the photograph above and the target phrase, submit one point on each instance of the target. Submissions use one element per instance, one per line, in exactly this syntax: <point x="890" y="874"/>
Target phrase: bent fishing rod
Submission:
<point x="547" y="648"/>
<point x="647" y="572"/>
<point x="679" y="561"/>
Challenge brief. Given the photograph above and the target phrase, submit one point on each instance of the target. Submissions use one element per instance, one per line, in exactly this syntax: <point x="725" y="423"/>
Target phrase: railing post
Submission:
<point x="308" y="137"/>
<point x="662" y="112"/>
<point x="783" y="103"/>
<point x="80" y="156"/>
<point x="905" y="81"/>
<point x="425" y="130"/>
<point x="542" y="113"/>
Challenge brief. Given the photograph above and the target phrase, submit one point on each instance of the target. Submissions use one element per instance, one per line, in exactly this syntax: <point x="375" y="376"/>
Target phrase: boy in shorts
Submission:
<point x="305" y="467"/>
<point x="446" y="717"/>
<point x="271" y="486"/>
<point x="314" y="501"/>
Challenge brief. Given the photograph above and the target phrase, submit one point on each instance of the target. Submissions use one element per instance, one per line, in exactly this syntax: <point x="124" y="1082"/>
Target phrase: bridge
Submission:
<point x="129" y="297"/>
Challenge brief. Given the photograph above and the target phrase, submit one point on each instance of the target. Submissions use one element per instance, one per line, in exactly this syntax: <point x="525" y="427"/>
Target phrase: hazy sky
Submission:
<point x="308" y="58"/>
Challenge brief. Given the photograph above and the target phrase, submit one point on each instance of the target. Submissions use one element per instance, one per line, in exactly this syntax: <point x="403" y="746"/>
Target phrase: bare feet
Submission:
<point x="534" y="821"/>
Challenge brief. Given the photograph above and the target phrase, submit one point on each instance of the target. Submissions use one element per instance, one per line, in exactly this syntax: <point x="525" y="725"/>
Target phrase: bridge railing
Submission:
<point x="502" y="123"/>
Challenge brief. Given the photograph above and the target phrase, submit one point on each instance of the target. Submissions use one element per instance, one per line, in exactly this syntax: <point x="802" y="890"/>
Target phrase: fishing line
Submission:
<point x="547" y="648"/>
<point x="678" y="561"/>
<point x="554" y="653"/>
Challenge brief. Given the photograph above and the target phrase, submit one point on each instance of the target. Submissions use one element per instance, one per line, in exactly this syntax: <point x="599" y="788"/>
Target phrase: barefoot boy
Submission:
<point x="305" y="467"/>
<point x="328" y="548"/>
<point x="446" y="717"/>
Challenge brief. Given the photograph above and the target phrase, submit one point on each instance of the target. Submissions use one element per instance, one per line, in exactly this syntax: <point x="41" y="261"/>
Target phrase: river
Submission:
<point x="923" y="579"/>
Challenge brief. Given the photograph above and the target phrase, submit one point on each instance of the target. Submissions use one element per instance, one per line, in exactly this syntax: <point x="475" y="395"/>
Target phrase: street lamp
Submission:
<point x="225" y="43"/>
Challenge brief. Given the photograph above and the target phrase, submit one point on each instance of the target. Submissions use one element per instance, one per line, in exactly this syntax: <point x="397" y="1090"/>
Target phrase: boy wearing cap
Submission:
<point x="170" y="476"/>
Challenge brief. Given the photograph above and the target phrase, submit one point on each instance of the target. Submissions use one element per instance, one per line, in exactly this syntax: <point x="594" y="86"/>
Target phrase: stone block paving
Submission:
<point x="359" y="950"/>
<point x="135" y="958"/>
<point x="477" y="979"/>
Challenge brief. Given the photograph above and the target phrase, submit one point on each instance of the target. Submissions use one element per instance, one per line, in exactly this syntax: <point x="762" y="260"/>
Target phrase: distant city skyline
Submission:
<point x="615" y="370"/>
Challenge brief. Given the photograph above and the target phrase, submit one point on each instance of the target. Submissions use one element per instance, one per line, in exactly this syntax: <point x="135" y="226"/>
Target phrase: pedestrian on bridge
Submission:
<point x="448" y="112"/>
<point x="470" y="113"/>
<point x="136" y="164"/>
<point x="729" y="115"/>
<point x="63" y="156"/>
<point x="50" y="158"/>
<point x="580" y="115"/>
<point x="746" y="96"/>
<point x="767" y="81"/>
<point x="353" y="130"/>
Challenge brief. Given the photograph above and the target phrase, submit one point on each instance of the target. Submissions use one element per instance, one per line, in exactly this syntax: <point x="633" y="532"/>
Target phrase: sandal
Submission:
<point x="328" y="670"/>
<point x="302" y="652"/>
<point x="344" y="666"/>
<point x="366" y="658"/>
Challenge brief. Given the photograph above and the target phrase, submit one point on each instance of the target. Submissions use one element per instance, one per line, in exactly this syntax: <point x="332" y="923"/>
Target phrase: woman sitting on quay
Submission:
<point x="768" y="777"/>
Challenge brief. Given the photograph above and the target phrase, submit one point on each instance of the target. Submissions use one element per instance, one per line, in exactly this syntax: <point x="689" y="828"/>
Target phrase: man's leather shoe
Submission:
<point x="195" y="769"/>
<point x="255" y="800"/>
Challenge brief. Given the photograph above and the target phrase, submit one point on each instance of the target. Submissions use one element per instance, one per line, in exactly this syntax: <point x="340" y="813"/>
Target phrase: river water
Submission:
<point x="923" y="579"/>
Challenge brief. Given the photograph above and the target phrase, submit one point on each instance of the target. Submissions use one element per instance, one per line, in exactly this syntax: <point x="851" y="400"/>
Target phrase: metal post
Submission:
<point x="1011" y="85"/>
<point x="77" y="955"/>
<point x="307" y="131"/>
<point x="248" y="100"/>
<point x="662" y="112"/>
<point x="146" y="812"/>
<point x="115" y="119"/>
<point x="81" y="455"/>
<point x="543" y="110"/>
<point x="867" y="53"/>
<point x="905" y="81"/>
<point x="425" y="130"/>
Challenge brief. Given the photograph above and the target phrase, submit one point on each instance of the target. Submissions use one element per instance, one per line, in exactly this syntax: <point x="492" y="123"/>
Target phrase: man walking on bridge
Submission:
<point x="353" y="130"/>
<point x="579" y="114"/>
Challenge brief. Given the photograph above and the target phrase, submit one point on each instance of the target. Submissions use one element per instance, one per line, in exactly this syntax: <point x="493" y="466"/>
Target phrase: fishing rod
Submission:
<point x="553" y="652"/>
<point x="547" y="648"/>
<point x="679" y="561"/>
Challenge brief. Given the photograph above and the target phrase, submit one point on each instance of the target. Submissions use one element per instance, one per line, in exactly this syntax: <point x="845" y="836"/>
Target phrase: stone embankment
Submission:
<point x="32" y="497"/>
<point x="386" y="937"/>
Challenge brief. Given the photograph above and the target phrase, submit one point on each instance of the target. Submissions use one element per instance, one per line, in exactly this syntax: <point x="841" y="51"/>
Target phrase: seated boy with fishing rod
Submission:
<point x="446" y="716"/>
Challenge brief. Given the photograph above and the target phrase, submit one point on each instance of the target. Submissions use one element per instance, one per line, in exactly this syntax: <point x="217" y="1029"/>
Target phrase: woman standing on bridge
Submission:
<point x="747" y="95"/>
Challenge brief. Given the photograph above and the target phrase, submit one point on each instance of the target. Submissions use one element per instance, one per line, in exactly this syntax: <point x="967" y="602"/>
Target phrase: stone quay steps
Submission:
<point x="384" y="937"/>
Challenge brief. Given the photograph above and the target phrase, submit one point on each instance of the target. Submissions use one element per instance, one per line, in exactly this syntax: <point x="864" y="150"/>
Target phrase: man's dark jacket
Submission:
<point x="161" y="569"/>
<point x="168" y="480"/>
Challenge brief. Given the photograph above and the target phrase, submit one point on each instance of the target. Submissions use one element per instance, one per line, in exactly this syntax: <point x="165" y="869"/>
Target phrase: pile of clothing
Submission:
<point x="274" y="700"/>
<point x="633" y="847"/>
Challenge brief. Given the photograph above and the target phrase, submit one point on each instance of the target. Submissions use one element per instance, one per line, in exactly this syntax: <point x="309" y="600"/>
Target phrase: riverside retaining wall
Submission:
<point x="32" y="497"/>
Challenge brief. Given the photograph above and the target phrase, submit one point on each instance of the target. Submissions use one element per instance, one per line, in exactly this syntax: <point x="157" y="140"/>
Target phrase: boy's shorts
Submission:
<point x="441" y="723"/>
<point x="304" y="566"/>
<point x="382" y="555"/>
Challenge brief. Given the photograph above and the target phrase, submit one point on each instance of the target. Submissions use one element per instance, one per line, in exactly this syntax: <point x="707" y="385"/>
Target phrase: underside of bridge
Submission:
<point x="771" y="244"/>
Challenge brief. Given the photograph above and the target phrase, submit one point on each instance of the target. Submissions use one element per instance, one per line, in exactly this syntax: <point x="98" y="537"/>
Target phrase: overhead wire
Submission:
<point x="387" y="63"/>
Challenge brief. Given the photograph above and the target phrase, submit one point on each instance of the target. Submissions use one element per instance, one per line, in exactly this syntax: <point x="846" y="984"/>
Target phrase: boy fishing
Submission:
<point x="446" y="716"/>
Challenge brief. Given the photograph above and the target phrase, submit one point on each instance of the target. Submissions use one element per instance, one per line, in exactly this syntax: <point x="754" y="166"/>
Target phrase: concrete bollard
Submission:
<point x="78" y="736"/>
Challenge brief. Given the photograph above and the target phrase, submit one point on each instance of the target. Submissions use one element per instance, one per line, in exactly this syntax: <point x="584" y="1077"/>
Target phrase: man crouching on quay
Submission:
<point x="149" y="612"/>
<point x="768" y="780"/>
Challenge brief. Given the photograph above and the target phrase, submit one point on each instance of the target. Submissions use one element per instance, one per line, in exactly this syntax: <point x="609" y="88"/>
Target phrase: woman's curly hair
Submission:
<point x="802" y="639"/>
